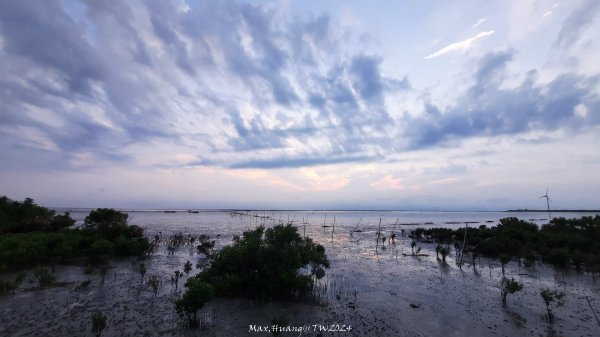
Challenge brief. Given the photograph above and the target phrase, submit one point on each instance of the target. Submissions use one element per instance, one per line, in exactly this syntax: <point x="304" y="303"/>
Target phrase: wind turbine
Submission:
<point x="547" y="203"/>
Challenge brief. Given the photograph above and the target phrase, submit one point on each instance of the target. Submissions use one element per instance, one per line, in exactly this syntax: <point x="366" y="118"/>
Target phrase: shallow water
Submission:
<point x="374" y="290"/>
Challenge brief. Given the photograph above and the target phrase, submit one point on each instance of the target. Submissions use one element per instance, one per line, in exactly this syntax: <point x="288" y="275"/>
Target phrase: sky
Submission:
<point x="403" y="105"/>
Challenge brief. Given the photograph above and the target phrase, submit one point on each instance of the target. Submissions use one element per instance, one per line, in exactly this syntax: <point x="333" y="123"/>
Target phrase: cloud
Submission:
<point x="367" y="78"/>
<point x="490" y="69"/>
<point x="443" y="181"/>
<point x="389" y="182"/>
<point x="479" y="23"/>
<point x="237" y="85"/>
<point x="276" y="163"/>
<point x="488" y="110"/>
<point x="51" y="39"/>
<point x="459" y="46"/>
<point x="576" y="23"/>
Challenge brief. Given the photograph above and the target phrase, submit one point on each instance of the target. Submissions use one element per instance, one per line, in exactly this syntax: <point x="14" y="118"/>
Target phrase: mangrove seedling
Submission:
<point x="103" y="271"/>
<point x="187" y="267"/>
<point x="7" y="286"/>
<point x="504" y="260"/>
<point x="509" y="287"/>
<point x="552" y="298"/>
<point x="444" y="251"/>
<point x="142" y="270"/>
<point x="43" y="276"/>
<point x="474" y="256"/>
<point x="177" y="276"/>
<point x="441" y="250"/>
<point x="154" y="283"/>
<point x="206" y="245"/>
<point x="98" y="323"/>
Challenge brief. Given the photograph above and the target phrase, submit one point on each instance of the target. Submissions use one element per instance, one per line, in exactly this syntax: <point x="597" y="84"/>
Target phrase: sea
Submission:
<point x="231" y="219"/>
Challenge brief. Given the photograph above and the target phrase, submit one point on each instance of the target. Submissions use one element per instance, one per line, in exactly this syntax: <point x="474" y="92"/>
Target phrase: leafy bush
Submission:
<point x="26" y="216"/>
<point x="265" y="264"/>
<point x="198" y="293"/>
<point x="104" y="234"/>
<point x="187" y="267"/>
<point x="510" y="287"/>
<point x="131" y="246"/>
<point x="562" y="242"/>
<point x="552" y="298"/>
<point x="99" y="251"/>
<point x="106" y="221"/>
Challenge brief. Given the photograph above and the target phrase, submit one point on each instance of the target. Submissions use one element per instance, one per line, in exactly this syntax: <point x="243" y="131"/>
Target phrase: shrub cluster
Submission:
<point x="26" y="216"/>
<point x="562" y="242"/>
<point x="265" y="264"/>
<point x="34" y="236"/>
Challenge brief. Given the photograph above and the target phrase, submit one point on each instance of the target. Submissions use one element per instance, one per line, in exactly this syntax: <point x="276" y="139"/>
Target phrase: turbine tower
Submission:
<point x="547" y="203"/>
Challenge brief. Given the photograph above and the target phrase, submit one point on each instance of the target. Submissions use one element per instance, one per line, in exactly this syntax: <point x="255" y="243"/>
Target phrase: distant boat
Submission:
<point x="193" y="212"/>
<point x="169" y="211"/>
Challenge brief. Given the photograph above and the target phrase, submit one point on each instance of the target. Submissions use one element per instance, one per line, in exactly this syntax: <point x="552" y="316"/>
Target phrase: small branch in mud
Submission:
<point x="594" y="311"/>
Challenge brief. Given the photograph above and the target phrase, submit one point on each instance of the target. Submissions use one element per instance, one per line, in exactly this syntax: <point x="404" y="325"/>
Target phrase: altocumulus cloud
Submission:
<point x="237" y="85"/>
<point x="488" y="109"/>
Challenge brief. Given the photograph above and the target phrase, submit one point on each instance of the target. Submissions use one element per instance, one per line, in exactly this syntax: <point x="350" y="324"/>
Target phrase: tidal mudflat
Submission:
<point x="368" y="290"/>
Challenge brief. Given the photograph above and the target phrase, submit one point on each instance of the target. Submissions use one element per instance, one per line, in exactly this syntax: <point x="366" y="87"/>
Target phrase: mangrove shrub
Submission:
<point x="265" y="263"/>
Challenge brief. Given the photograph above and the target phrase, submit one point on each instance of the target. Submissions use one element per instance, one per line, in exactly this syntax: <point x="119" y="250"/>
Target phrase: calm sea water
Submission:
<point x="230" y="220"/>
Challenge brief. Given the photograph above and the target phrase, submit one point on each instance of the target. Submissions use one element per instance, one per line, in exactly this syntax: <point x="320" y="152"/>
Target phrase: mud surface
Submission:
<point x="366" y="292"/>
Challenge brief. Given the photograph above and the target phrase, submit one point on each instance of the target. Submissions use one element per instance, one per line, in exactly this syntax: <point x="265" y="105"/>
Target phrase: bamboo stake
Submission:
<point x="333" y="229"/>
<point x="378" y="234"/>
<point x="462" y="252"/>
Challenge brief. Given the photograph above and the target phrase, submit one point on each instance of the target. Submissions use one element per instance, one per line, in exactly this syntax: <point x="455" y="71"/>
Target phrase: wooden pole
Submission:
<point x="378" y="234"/>
<point x="462" y="252"/>
<point x="333" y="229"/>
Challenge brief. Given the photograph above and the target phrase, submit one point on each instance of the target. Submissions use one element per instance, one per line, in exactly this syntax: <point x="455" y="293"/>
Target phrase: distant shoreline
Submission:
<point x="199" y="210"/>
<point x="555" y="210"/>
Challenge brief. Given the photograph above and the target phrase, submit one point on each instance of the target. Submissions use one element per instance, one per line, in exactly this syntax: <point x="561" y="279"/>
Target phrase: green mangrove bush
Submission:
<point x="32" y="235"/>
<point x="563" y="242"/>
<point x="265" y="264"/>
<point x="197" y="294"/>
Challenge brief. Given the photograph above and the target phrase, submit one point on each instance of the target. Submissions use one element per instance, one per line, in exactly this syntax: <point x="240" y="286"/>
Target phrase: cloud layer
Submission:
<point x="238" y="85"/>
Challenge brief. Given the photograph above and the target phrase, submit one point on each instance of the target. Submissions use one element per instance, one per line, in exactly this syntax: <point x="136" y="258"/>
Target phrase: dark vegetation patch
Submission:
<point x="266" y="264"/>
<point x="562" y="243"/>
<point x="32" y="235"/>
